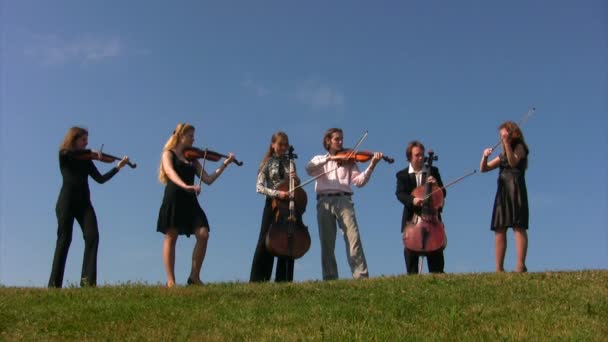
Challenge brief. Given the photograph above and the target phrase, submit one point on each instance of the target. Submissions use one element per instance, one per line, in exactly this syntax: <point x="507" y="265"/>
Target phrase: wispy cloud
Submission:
<point x="320" y="96"/>
<point x="55" y="50"/>
<point x="256" y="87"/>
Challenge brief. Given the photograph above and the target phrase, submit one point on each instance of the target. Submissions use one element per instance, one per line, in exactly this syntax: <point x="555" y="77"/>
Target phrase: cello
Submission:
<point x="426" y="233"/>
<point x="288" y="236"/>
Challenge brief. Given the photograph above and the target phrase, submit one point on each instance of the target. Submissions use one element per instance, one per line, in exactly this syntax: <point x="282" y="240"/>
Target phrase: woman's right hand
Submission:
<point x="487" y="152"/>
<point x="283" y="195"/>
<point x="193" y="188"/>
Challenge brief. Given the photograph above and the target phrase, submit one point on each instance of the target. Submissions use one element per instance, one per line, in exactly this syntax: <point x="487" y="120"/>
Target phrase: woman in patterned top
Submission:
<point x="274" y="169"/>
<point x="511" y="201"/>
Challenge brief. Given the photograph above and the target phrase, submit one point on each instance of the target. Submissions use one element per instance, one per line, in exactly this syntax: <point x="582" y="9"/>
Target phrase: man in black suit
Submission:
<point x="407" y="180"/>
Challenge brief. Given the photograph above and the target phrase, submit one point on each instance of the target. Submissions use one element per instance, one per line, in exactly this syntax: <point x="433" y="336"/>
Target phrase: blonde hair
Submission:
<point x="71" y="136"/>
<point x="180" y="130"/>
<point x="275" y="137"/>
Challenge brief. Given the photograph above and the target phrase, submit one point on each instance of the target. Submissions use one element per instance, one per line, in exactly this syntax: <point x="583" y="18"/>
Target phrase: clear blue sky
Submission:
<point x="445" y="72"/>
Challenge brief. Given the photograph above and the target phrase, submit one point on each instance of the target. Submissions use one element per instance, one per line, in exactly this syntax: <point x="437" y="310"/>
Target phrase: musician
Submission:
<point x="511" y="201"/>
<point x="407" y="180"/>
<point x="180" y="212"/>
<point x="273" y="170"/>
<point x="334" y="203"/>
<point x="74" y="202"/>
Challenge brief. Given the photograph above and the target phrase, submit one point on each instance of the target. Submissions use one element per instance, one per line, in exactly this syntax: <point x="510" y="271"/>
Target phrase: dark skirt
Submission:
<point x="180" y="210"/>
<point x="511" y="201"/>
<point x="261" y="266"/>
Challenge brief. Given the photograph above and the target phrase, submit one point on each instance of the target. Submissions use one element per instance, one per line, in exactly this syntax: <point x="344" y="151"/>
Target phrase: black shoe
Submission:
<point x="192" y="282"/>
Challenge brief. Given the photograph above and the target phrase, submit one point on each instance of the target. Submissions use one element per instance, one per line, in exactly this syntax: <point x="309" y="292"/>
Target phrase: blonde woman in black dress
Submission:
<point x="180" y="212"/>
<point x="511" y="201"/>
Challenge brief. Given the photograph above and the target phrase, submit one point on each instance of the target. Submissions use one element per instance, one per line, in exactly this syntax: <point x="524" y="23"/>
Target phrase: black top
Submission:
<point x="75" y="172"/>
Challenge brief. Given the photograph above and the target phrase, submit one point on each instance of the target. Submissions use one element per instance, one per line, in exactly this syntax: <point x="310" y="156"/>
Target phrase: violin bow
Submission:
<point x="200" y="178"/>
<point x="523" y="120"/>
<point x="449" y="184"/>
<point x="352" y="152"/>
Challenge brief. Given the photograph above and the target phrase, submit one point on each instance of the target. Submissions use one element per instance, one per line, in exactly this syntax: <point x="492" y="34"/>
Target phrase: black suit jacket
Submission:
<point x="406" y="183"/>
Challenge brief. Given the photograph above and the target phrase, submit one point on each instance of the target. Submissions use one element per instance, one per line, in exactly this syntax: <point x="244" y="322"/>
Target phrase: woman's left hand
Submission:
<point x="229" y="159"/>
<point x="124" y="161"/>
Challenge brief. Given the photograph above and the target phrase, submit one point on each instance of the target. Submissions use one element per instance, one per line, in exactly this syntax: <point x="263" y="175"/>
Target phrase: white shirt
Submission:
<point x="418" y="173"/>
<point x="339" y="178"/>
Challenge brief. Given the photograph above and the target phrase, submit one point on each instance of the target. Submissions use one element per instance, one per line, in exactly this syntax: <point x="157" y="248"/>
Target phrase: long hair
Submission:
<point x="327" y="137"/>
<point x="180" y="130"/>
<point x="410" y="147"/>
<point x="71" y="136"/>
<point x="517" y="136"/>
<point x="275" y="137"/>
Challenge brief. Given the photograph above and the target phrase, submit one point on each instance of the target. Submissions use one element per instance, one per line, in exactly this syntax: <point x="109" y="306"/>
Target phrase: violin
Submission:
<point x="287" y="236"/>
<point x="361" y="156"/>
<point x="106" y="158"/>
<point x="192" y="153"/>
<point x="426" y="233"/>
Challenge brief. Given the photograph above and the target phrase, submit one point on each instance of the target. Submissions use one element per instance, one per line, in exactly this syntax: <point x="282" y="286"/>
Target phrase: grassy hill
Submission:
<point x="550" y="305"/>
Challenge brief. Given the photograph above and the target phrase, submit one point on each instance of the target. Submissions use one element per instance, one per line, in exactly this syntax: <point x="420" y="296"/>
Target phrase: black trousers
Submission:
<point x="261" y="267"/>
<point x="435" y="261"/>
<point x="88" y="223"/>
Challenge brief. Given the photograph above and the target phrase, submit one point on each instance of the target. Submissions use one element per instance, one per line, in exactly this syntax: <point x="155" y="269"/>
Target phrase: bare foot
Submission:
<point x="170" y="284"/>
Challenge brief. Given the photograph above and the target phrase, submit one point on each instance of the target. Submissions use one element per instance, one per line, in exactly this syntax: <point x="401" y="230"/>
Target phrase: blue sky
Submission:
<point x="444" y="72"/>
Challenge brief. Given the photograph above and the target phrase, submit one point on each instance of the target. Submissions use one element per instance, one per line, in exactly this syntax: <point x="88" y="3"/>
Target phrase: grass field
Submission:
<point x="533" y="306"/>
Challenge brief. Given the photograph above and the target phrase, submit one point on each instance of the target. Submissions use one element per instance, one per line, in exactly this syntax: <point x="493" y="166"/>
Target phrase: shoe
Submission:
<point x="194" y="283"/>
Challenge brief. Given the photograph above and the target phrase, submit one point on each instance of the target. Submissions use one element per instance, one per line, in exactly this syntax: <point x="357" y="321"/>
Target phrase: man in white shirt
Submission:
<point x="334" y="196"/>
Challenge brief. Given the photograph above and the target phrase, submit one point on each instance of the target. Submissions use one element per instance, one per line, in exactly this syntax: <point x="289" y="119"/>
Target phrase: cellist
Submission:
<point x="409" y="179"/>
<point x="273" y="171"/>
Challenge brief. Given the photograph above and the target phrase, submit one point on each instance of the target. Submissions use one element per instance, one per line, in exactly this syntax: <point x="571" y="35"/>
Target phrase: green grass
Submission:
<point x="551" y="305"/>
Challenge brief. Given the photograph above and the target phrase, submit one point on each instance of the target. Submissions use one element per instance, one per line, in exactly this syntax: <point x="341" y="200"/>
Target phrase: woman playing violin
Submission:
<point x="273" y="171"/>
<point x="180" y="212"/>
<point x="511" y="201"/>
<point x="336" y="173"/>
<point x="409" y="179"/>
<point x="74" y="202"/>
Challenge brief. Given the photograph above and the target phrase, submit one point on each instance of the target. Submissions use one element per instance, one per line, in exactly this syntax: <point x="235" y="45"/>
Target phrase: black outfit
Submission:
<point x="180" y="209"/>
<point x="273" y="173"/>
<point x="511" y="201"/>
<point x="74" y="202"/>
<point x="406" y="183"/>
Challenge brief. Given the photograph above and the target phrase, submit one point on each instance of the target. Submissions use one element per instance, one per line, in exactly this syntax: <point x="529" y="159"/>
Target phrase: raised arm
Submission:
<point x="484" y="165"/>
<point x="210" y="178"/>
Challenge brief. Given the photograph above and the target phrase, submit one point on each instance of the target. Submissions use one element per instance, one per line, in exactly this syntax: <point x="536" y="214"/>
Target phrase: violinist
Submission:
<point x="336" y="173"/>
<point x="74" y="202"/>
<point x="511" y="201"/>
<point x="273" y="171"/>
<point x="180" y="212"/>
<point x="409" y="179"/>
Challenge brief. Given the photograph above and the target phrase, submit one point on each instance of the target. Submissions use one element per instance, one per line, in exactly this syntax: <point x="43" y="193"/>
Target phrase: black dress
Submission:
<point x="511" y="202"/>
<point x="180" y="209"/>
